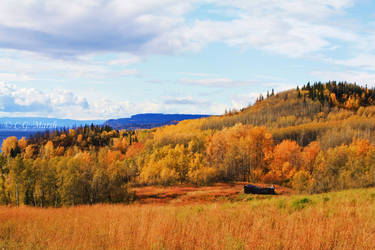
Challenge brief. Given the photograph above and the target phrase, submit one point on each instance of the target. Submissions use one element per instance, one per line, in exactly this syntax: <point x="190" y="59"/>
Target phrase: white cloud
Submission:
<point x="197" y="74"/>
<point x="62" y="103"/>
<point x="16" y="66"/>
<point x="184" y="100"/>
<point x="64" y="29"/>
<point x="294" y="27"/>
<point x="244" y="100"/>
<point x="64" y="98"/>
<point x="185" y="105"/>
<point x="291" y="27"/>
<point x="264" y="81"/>
<point x="128" y="72"/>
<point x="363" y="61"/>
<point x="360" y="77"/>
<point x="304" y="8"/>
<point x="217" y="82"/>
<point x="33" y="101"/>
<point x="125" y="60"/>
<point x="9" y="77"/>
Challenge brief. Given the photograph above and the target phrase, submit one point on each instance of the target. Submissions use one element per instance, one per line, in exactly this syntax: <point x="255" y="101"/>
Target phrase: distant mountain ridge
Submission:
<point x="150" y="120"/>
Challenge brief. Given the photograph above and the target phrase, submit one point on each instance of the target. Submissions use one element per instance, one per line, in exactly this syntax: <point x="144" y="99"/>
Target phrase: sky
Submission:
<point x="100" y="59"/>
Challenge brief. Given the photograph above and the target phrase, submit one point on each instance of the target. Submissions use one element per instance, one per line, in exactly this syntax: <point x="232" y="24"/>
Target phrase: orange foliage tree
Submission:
<point x="286" y="161"/>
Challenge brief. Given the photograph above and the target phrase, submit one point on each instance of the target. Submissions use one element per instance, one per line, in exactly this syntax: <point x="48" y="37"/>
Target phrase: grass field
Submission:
<point x="339" y="220"/>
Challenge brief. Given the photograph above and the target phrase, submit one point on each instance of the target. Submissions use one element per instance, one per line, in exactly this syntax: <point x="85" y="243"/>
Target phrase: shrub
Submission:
<point x="300" y="203"/>
<point x="302" y="181"/>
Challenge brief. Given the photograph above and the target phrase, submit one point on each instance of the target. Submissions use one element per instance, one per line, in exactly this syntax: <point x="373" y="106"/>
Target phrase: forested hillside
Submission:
<point x="315" y="138"/>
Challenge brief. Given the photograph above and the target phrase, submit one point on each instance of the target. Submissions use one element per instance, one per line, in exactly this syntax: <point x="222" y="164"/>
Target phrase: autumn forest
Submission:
<point x="313" y="139"/>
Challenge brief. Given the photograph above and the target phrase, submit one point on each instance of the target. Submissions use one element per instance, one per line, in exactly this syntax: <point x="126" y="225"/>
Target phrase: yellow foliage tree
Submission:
<point x="22" y="143"/>
<point x="10" y="146"/>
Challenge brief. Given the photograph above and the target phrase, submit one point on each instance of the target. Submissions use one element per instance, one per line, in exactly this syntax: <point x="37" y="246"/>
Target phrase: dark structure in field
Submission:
<point x="252" y="189"/>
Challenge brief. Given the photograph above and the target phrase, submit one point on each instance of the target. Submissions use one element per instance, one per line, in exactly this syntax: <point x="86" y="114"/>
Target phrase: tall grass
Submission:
<point x="341" y="220"/>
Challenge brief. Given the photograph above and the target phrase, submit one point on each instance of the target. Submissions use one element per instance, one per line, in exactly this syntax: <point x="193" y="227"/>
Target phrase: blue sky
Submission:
<point x="95" y="59"/>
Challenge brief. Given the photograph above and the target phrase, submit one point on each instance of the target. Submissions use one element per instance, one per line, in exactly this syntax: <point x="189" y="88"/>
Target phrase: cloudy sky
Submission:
<point x="98" y="59"/>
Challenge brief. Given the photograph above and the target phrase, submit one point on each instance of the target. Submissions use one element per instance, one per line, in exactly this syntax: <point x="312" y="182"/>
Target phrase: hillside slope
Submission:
<point x="331" y="113"/>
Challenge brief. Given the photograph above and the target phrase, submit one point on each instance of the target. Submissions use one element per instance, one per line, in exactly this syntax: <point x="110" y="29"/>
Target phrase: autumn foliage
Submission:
<point x="314" y="139"/>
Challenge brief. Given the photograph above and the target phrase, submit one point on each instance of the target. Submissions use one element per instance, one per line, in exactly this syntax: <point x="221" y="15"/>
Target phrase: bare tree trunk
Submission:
<point x="34" y="197"/>
<point x="17" y="195"/>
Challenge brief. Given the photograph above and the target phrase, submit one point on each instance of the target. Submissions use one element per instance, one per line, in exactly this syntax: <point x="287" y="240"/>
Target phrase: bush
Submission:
<point x="205" y="175"/>
<point x="300" y="204"/>
<point x="302" y="181"/>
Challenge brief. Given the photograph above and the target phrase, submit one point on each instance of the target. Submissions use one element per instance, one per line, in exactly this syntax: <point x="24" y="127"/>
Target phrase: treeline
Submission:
<point x="341" y="94"/>
<point x="317" y="149"/>
<point x="83" y="137"/>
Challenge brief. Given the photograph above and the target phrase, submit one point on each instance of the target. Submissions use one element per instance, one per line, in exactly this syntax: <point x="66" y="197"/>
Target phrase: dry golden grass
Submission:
<point x="342" y="220"/>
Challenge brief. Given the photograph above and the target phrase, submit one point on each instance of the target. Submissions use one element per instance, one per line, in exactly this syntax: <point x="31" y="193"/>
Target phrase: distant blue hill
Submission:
<point x="150" y="120"/>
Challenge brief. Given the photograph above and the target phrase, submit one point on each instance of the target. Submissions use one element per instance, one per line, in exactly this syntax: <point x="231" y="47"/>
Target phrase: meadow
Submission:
<point x="336" y="220"/>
